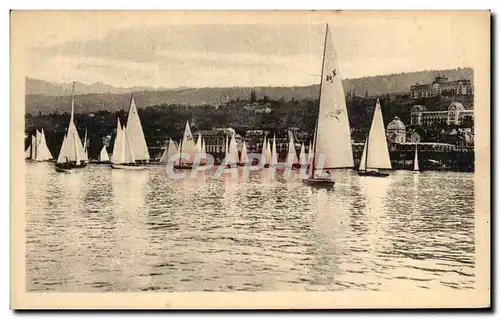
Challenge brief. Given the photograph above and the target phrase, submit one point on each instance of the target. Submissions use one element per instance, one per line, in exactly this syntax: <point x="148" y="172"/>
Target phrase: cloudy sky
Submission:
<point x="171" y="50"/>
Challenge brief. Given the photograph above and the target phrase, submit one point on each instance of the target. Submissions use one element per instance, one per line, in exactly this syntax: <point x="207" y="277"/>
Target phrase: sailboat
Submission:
<point x="332" y="139"/>
<point x="72" y="153"/>
<point x="266" y="151"/>
<point x="232" y="158"/>
<point x="416" y="169"/>
<point x="244" y="155"/>
<point x="375" y="153"/>
<point x="123" y="156"/>
<point x="38" y="149"/>
<point x="169" y="152"/>
<point x="103" y="155"/>
<point x="187" y="148"/>
<point x="274" y="153"/>
<point x="138" y="145"/>
<point x="291" y="158"/>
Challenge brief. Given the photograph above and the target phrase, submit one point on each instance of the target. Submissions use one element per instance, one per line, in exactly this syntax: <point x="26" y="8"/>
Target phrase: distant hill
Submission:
<point x="46" y="97"/>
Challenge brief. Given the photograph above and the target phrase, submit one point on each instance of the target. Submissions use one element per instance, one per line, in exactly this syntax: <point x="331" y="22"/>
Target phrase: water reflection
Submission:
<point x="112" y="230"/>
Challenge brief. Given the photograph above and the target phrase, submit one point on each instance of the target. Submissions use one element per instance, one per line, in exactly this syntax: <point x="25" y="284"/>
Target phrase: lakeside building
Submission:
<point x="441" y="86"/>
<point x="396" y="131"/>
<point x="455" y="114"/>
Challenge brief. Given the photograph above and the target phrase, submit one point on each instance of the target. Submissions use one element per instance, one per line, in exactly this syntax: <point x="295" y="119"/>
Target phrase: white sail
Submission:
<point x="274" y="153"/>
<point x="188" y="145"/>
<point x="169" y="152"/>
<point x="43" y="152"/>
<point x="118" y="155"/>
<point x="266" y="151"/>
<point x="129" y="153"/>
<point x="27" y="153"/>
<point x="136" y="134"/>
<point x="198" y="144"/>
<point x="291" y="158"/>
<point x="244" y="155"/>
<point x="333" y="136"/>
<point x="33" y="147"/>
<point x="302" y="156"/>
<point x="233" y="150"/>
<point x="103" y="156"/>
<point x="415" y="161"/>
<point x="85" y="146"/>
<point x="375" y="152"/>
<point x="72" y="148"/>
<point x="226" y="146"/>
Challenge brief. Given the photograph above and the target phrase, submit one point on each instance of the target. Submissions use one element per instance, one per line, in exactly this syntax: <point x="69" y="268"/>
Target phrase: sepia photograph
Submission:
<point x="250" y="159"/>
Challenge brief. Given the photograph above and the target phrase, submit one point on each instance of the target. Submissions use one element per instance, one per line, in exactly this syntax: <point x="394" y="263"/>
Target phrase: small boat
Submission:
<point x="416" y="169"/>
<point x="123" y="157"/>
<point x="72" y="153"/>
<point x="186" y="147"/>
<point x="103" y="156"/>
<point x="38" y="149"/>
<point x="375" y="153"/>
<point x="332" y="138"/>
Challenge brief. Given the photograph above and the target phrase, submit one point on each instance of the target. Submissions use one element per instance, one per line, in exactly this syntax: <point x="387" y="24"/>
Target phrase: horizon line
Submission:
<point x="243" y="86"/>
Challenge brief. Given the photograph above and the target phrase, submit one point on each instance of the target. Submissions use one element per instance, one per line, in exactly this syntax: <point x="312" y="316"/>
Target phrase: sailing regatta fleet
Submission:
<point x="330" y="148"/>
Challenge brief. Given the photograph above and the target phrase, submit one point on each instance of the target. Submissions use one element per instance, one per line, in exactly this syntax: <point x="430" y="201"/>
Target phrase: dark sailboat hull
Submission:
<point x="318" y="182"/>
<point x="373" y="174"/>
<point x="66" y="167"/>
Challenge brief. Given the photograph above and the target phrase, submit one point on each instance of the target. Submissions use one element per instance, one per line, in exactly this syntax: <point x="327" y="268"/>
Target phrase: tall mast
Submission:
<point x="317" y="121"/>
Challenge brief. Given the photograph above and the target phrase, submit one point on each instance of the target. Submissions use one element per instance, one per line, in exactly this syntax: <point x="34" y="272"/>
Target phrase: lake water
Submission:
<point x="101" y="229"/>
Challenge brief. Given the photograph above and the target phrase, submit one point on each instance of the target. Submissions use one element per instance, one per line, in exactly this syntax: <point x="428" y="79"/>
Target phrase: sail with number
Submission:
<point x="188" y="146"/>
<point x="291" y="158"/>
<point x="136" y="134"/>
<point x="333" y="135"/>
<point x="375" y="152"/>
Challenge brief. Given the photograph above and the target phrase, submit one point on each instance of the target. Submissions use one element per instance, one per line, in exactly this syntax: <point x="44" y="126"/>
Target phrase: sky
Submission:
<point x="172" y="50"/>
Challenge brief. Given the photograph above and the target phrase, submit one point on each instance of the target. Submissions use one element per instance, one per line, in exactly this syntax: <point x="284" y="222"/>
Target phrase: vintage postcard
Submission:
<point x="246" y="159"/>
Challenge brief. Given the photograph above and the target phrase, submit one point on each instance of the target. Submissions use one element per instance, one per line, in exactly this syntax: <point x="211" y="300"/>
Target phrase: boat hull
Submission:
<point x="70" y="165"/>
<point x="318" y="182"/>
<point x="373" y="174"/>
<point x="189" y="166"/>
<point x="128" y="167"/>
